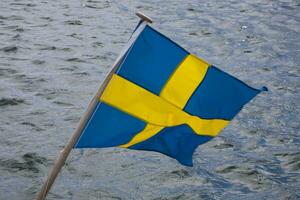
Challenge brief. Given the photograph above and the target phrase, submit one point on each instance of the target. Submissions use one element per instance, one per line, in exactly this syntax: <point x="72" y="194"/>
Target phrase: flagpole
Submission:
<point x="60" y="161"/>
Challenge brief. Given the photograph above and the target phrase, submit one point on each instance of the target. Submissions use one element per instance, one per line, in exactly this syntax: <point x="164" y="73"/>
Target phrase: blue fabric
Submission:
<point x="219" y="96"/>
<point x="151" y="60"/>
<point x="178" y="142"/>
<point x="109" y="127"/>
<point x="149" y="63"/>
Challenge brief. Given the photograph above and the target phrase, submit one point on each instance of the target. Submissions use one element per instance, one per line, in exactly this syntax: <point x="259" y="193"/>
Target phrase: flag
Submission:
<point x="163" y="98"/>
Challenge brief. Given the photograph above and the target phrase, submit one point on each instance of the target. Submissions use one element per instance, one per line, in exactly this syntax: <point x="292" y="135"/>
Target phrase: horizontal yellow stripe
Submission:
<point x="137" y="101"/>
<point x="178" y="89"/>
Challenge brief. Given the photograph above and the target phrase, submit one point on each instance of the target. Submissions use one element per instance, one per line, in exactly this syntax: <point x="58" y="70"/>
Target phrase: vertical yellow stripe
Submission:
<point x="184" y="81"/>
<point x="179" y="88"/>
<point x="149" y="131"/>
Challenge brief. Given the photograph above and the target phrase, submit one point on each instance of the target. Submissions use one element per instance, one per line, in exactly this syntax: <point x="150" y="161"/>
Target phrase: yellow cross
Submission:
<point x="165" y="110"/>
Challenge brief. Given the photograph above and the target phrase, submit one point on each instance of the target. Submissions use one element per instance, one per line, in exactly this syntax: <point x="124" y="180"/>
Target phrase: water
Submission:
<point x="54" y="54"/>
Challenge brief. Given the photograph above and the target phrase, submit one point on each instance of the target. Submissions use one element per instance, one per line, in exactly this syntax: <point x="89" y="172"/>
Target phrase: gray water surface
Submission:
<point x="54" y="54"/>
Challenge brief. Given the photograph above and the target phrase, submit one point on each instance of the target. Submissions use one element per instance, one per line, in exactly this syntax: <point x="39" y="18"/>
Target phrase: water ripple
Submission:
<point x="11" y="101"/>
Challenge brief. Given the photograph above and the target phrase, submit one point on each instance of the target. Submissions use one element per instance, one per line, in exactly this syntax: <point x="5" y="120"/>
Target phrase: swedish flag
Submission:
<point x="164" y="99"/>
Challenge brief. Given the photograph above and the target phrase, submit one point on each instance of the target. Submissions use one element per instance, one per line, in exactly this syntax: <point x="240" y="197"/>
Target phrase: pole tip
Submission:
<point x="144" y="17"/>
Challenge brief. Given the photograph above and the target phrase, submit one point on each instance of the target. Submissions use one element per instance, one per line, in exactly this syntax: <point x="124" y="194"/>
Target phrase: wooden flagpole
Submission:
<point x="60" y="161"/>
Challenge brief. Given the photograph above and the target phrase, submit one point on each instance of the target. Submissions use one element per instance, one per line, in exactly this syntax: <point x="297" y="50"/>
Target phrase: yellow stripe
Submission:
<point x="177" y="91"/>
<point x="184" y="81"/>
<point x="149" y="131"/>
<point x="137" y="101"/>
